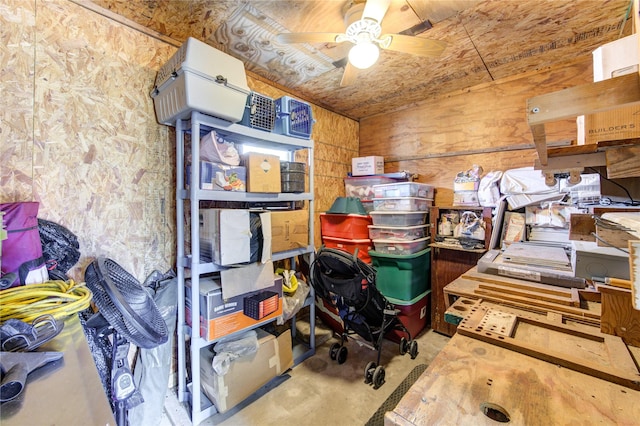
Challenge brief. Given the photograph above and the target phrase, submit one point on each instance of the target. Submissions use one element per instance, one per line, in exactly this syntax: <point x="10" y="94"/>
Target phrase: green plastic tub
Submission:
<point x="402" y="277"/>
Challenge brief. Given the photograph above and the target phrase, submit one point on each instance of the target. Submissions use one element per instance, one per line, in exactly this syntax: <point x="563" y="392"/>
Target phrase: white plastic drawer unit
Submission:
<point x="200" y="78"/>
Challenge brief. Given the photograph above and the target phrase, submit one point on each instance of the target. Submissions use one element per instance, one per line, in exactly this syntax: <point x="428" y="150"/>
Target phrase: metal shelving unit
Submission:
<point x="197" y="126"/>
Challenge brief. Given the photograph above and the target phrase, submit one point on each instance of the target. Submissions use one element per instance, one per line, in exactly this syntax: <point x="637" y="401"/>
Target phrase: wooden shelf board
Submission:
<point x="585" y="99"/>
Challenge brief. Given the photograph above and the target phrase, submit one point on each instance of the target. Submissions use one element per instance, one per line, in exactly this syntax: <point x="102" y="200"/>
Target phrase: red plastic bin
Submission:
<point x="349" y="226"/>
<point x="414" y="315"/>
<point x="348" y="245"/>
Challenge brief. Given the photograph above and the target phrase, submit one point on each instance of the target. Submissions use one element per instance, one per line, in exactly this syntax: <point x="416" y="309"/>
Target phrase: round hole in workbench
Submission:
<point x="495" y="412"/>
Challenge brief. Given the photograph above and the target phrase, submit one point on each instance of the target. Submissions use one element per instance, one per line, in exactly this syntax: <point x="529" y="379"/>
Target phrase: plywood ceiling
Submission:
<point x="486" y="40"/>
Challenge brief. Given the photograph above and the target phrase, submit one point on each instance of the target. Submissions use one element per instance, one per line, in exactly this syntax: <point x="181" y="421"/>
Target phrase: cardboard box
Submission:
<point x="248" y="373"/>
<point x="220" y="177"/>
<point x="225" y="236"/>
<point x="616" y="58"/>
<point x="367" y="166"/>
<point x="289" y="230"/>
<point x="221" y="316"/>
<point x="246" y="279"/>
<point x="621" y="123"/>
<point x="263" y="172"/>
<point x="471" y="185"/>
<point x="611" y="60"/>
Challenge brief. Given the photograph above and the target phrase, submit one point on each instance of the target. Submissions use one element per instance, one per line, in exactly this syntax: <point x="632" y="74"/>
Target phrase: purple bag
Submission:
<point x="22" y="250"/>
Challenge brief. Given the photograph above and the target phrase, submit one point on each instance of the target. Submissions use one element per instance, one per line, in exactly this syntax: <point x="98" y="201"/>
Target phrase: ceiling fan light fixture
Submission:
<point x="364" y="54"/>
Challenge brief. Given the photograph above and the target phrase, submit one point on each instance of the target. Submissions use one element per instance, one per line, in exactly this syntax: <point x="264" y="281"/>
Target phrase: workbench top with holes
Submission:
<point x="472" y="382"/>
<point x="64" y="392"/>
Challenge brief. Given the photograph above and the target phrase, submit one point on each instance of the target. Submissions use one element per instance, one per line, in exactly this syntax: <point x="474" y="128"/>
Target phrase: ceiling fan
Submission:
<point x="363" y="21"/>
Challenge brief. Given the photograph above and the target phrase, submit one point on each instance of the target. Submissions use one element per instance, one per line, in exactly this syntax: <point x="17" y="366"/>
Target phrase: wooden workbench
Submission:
<point x="468" y="285"/>
<point x="469" y="374"/>
<point x="508" y="377"/>
<point x="64" y="392"/>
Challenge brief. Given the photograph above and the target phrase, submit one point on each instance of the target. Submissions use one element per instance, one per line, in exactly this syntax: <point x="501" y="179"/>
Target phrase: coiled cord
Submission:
<point x="57" y="298"/>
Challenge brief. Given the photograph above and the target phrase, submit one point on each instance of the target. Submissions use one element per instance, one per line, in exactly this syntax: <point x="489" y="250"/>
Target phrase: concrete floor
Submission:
<point x="319" y="391"/>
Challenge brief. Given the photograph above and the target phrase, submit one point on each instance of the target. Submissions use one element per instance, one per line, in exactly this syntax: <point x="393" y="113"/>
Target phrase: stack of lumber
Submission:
<point x="570" y="303"/>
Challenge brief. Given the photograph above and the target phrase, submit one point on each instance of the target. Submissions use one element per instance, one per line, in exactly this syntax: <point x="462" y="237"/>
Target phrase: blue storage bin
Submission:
<point x="293" y="118"/>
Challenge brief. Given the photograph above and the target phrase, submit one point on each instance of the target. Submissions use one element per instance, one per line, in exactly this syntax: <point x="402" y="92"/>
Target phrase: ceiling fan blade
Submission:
<point x="375" y="9"/>
<point x="349" y="76"/>
<point x="415" y="45"/>
<point x="287" y="38"/>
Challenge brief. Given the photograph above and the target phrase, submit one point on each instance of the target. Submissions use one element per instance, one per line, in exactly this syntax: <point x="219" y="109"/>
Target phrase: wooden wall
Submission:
<point x="78" y="133"/>
<point x="484" y="125"/>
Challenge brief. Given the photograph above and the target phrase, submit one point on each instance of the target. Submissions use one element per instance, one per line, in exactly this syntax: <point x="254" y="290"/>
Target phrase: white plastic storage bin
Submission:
<point x="382" y="218"/>
<point x="200" y="78"/>
<point x="403" y="189"/>
<point x="400" y="247"/>
<point x="293" y="118"/>
<point x="405" y="233"/>
<point x="401" y="204"/>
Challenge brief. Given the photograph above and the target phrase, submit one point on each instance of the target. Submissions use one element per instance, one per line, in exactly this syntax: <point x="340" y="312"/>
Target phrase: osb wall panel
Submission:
<point x="79" y="133"/>
<point x="17" y="35"/>
<point x="485" y="125"/>
<point x="101" y="165"/>
<point x="336" y="143"/>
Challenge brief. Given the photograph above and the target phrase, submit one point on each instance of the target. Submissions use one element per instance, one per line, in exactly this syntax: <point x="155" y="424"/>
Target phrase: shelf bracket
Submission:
<point x="586" y="99"/>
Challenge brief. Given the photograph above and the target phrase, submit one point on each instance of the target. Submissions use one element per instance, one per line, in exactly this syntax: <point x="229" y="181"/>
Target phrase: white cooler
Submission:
<point x="200" y="78"/>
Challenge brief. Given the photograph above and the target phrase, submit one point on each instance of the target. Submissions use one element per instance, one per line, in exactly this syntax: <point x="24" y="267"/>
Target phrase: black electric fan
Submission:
<point x="129" y="312"/>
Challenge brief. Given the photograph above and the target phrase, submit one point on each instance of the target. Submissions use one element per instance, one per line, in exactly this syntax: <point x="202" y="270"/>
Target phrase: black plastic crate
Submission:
<point x="261" y="305"/>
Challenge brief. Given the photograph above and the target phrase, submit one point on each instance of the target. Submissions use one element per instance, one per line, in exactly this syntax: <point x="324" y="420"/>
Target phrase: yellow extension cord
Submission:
<point x="57" y="298"/>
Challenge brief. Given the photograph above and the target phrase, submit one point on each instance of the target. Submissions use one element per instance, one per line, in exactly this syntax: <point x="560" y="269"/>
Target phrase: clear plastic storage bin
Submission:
<point x="400" y="247"/>
<point x="401" y="204"/>
<point x="404" y="233"/>
<point x="403" y="189"/>
<point x="362" y="186"/>
<point x="381" y="218"/>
